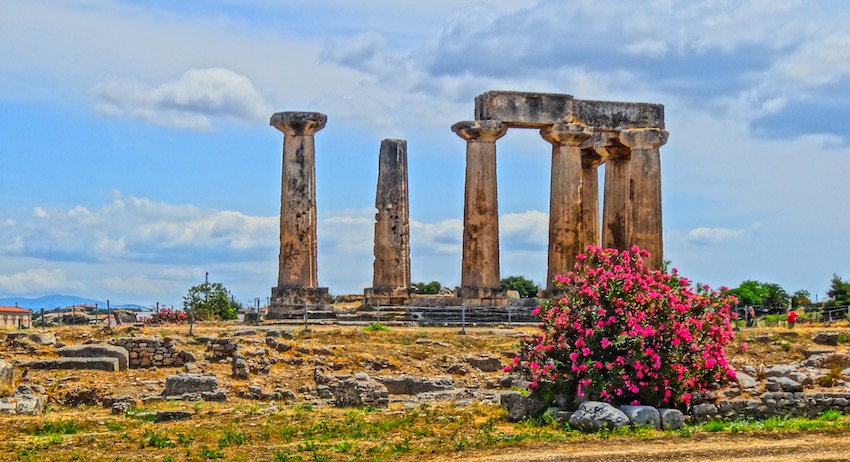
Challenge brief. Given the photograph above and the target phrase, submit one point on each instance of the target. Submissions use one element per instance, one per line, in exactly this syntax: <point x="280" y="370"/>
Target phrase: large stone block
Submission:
<point x="179" y="384"/>
<point x="616" y="115"/>
<point x="97" y="351"/>
<point x="592" y="416"/>
<point x="99" y="364"/>
<point x="7" y="378"/>
<point x="643" y="415"/>
<point x="360" y="390"/>
<point x="406" y="385"/>
<point x="520" y="407"/>
<point x="523" y="109"/>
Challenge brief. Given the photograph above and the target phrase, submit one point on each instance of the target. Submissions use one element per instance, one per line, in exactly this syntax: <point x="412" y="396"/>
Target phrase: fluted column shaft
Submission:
<point x="298" y="251"/>
<point x="646" y="229"/>
<point x="392" y="223"/>
<point x="480" y="260"/>
<point x="565" y="194"/>
<point x="590" y="161"/>
<point x="616" y="209"/>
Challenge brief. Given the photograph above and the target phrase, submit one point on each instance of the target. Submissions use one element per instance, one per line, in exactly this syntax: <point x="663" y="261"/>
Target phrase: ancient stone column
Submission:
<point x="297" y="281"/>
<point x="480" y="265"/>
<point x="565" y="194"/>
<point x="590" y="161"/>
<point x="645" y="167"/>
<point x="391" y="276"/>
<point x="616" y="209"/>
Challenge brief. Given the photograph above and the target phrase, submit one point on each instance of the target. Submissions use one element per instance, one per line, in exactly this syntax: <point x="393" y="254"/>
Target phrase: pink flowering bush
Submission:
<point x="626" y="334"/>
<point x="168" y="316"/>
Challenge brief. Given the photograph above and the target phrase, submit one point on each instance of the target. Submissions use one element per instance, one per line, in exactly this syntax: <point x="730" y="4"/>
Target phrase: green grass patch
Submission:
<point x="376" y="327"/>
<point x="57" y="427"/>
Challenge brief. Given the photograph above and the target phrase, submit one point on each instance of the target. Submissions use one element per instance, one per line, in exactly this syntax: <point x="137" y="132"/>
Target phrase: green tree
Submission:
<point x="757" y="293"/>
<point x="801" y="297"/>
<point x="209" y="301"/>
<point x="431" y="288"/>
<point x="839" y="292"/>
<point x="526" y="287"/>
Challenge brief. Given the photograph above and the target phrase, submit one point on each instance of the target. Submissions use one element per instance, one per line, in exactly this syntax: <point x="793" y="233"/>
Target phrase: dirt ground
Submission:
<point x="820" y="446"/>
<point x="405" y="432"/>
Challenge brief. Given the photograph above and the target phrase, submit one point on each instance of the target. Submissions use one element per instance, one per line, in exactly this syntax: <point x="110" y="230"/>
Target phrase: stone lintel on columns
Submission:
<point x="616" y="115"/>
<point x="485" y="131"/>
<point x="298" y="123"/>
<point x="523" y="109"/>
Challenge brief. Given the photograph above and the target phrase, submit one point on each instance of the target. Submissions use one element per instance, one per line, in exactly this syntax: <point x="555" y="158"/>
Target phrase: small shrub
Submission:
<point x="375" y="327"/>
<point x="157" y="440"/>
<point x="714" y="426"/>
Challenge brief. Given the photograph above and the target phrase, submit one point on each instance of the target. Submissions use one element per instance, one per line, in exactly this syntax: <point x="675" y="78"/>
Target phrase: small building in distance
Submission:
<point x="12" y="317"/>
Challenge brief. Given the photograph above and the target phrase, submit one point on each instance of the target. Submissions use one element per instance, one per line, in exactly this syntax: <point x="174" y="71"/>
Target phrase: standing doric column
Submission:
<point x="565" y="194"/>
<point x="590" y="161"/>
<point x="297" y="282"/>
<point x="480" y="265"/>
<point x="616" y="209"/>
<point x="646" y="190"/>
<point x="391" y="276"/>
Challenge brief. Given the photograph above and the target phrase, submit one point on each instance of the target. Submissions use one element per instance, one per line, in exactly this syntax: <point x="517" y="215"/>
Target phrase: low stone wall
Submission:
<point x="774" y="404"/>
<point x="151" y="351"/>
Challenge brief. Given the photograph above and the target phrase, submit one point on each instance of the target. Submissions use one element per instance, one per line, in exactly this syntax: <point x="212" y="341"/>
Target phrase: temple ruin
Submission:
<point x="584" y="134"/>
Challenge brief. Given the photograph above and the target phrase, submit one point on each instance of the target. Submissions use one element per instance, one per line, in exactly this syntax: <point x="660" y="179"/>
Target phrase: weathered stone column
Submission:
<point x="297" y="282"/>
<point x="480" y="265"/>
<point x="646" y="190"/>
<point x="391" y="276"/>
<point x="565" y="194"/>
<point x="590" y="161"/>
<point x="616" y="209"/>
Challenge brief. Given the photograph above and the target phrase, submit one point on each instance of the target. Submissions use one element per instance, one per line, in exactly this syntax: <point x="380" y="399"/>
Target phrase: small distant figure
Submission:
<point x="751" y="316"/>
<point x="792" y="318"/>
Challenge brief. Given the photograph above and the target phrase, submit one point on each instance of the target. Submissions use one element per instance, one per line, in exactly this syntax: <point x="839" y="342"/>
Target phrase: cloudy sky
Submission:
<point x="136" y="155"/>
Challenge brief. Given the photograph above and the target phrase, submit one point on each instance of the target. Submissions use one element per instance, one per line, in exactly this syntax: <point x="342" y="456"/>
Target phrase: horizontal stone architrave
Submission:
<point x="538" y="110"/>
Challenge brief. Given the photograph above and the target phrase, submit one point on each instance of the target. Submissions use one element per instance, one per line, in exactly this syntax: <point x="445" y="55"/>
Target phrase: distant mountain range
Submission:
<point x="59" y="301"/>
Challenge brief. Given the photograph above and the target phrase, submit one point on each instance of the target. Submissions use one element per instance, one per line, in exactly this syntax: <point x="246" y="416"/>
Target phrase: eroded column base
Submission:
<point x="483" y="296"/>
<point x="387" y="296"/>
<point x="290" y="302"/>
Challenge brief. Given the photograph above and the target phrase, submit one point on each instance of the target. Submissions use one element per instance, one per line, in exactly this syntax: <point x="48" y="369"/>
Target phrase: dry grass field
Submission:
<point x="76" y="427"/>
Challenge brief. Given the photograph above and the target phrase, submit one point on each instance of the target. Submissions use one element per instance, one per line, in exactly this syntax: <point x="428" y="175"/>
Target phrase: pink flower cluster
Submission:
<point x="168" y="315"/>
<point x="624" y="333"/>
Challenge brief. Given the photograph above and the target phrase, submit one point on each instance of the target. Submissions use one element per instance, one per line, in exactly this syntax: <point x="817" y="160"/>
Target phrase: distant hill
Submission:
<point x="53" y="301"/>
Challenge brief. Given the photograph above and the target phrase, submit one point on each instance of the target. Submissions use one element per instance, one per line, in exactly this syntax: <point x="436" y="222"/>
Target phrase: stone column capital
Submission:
<point x="298" y="123"/>
<point x="568" y="134"/>
<point x="644" y="138"/>
<point x="487" y="131"/>
<point x="609" y="146"/>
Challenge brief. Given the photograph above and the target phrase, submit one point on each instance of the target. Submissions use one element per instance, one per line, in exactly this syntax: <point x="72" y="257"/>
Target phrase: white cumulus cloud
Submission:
<point x="188" y="102"/>
<point x="36" y="280"/>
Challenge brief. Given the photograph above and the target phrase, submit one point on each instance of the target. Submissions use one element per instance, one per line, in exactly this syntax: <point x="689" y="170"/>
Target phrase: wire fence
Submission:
<point x="777" y="316"/>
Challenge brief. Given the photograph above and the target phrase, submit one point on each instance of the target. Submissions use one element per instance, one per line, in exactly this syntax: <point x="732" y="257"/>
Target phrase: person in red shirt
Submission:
<point x="792" y="318"/>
